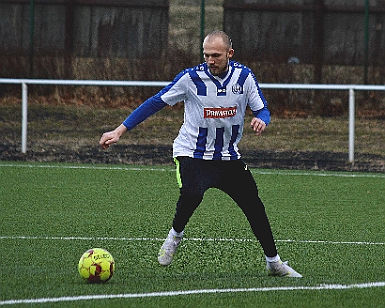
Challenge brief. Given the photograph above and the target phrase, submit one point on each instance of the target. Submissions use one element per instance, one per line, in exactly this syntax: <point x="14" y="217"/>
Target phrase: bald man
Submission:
<point x="215" y="96"/>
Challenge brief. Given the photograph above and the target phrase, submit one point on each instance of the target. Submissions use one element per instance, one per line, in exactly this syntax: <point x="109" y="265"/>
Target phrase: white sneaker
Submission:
<point x="281" y="269"/>
<point x="168" y="249"/>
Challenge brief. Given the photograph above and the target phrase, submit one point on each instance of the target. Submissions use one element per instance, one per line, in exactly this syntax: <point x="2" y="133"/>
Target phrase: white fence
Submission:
<point x="341" y="87"/>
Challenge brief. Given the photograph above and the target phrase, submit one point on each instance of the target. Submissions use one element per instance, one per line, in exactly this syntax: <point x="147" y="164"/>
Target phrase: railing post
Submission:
<point x="24" y="117"/>
<point x="351" y="124"/>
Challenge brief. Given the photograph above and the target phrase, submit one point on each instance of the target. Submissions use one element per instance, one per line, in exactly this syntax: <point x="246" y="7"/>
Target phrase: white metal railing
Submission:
<point x="342" y="87"/>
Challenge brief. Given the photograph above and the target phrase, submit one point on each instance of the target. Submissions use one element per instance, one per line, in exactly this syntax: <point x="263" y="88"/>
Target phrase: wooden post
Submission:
<point x="31" y="36"/>
<point x="69" y="39"/>
<point x="318" y="40"/>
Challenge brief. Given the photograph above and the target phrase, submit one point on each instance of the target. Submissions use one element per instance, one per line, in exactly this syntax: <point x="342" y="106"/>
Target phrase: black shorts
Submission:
<point x="195" y="176"/>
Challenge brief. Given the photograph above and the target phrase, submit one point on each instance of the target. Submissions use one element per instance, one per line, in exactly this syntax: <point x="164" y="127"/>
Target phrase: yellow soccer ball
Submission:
<point x="96" y="265"/>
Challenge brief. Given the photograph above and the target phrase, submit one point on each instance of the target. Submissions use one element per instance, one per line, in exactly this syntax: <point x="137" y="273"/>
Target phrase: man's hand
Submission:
<point x="258" y="126"/>
<point x="112" y="136"/>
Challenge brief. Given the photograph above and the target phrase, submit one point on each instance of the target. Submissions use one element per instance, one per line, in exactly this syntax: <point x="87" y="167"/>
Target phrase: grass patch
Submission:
<point x="49" y="124"/>
<point x="53" y="213"/>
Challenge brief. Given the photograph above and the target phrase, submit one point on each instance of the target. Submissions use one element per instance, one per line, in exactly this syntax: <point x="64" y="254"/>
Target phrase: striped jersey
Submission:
<point x="214" y="110"/>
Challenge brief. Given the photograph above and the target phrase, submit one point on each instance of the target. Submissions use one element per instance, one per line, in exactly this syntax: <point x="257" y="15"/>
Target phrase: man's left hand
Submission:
<point x="258" y="126"/>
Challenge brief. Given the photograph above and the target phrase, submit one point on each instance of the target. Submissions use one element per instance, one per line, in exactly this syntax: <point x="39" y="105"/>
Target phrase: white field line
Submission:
<point x="189" y="292"/>
<point x="171" y="169"/>
<point x="141" y="239"/>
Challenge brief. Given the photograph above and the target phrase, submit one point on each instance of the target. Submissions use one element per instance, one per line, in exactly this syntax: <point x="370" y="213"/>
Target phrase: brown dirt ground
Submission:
<point x="162" y="155"/>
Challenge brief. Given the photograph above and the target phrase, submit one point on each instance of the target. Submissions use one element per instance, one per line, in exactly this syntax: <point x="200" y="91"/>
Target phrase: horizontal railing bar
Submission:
<point x="131" y="83"/>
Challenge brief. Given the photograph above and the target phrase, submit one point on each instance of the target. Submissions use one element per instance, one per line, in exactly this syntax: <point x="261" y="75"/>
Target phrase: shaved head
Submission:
<point x="213" y="35"/>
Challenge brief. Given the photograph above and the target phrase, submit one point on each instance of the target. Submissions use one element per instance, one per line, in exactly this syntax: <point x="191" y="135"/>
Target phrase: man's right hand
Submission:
<point x="111" y="137"/>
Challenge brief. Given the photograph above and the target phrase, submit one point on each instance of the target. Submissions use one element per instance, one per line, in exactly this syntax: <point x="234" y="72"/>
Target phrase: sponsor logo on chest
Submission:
<point x="221" y="112"/>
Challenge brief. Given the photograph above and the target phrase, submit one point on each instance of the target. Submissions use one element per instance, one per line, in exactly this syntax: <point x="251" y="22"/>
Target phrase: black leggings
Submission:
<point x="196" y="176"/>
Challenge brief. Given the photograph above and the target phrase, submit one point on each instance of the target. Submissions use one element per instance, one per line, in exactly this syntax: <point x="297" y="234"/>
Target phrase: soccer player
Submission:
<point x="215" y="96"/>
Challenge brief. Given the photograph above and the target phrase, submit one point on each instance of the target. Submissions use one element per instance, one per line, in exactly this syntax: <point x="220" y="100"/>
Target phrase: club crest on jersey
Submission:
<point x="221" y="112"/>
<point x="237" y="89"/>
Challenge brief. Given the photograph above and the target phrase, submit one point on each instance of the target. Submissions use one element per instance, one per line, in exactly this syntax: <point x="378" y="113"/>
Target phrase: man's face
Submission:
<point x="216" y="55"/>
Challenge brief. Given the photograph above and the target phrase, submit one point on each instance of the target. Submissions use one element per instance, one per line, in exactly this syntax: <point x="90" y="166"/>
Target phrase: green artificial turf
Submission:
<point x="329" y="225"/>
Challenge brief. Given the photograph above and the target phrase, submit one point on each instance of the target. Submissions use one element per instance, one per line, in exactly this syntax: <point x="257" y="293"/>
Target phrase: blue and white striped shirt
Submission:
<point x="214" y="110"/>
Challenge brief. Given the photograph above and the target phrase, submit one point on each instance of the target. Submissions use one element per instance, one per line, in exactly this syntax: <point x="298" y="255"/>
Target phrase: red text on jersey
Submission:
<point x="210" y="112"/>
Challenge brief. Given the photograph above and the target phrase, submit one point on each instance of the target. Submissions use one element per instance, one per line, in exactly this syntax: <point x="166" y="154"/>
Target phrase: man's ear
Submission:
<point x="230" y="53"/>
